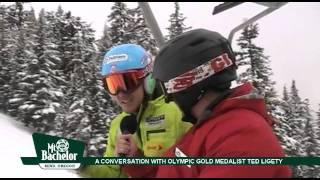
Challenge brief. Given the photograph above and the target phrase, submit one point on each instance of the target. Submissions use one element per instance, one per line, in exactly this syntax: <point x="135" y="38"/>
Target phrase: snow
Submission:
<point x="27" y="106"/>
<point x="44" y="72"/>
<point x="78" y="111"/>
<point x="48" y="110"/>
<point x="16" y="142"/>
<point x="55" y="104"/>
<point x="15" y="100"/>
<point x="292" y="141"/>
<point x="36" y="116"/>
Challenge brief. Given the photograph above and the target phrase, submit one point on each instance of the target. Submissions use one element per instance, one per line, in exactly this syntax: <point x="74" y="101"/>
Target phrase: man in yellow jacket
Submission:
<point x="126" y="75"/>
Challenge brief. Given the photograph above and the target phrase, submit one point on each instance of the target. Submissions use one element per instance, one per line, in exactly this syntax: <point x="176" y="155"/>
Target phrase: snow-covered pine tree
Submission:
<point x="82" y="79"/>
<point x="102" y="109"/>
<point x="8" y="63"/>
<point x="65" y="37"/>
<point x="310" y="129"/>
<point x="44" y="76"/>
<point x="119" y="20"/>
<point x="28" y="79"/>
<point x="297" y="122"/>
<point x="6" y="42"/>
<point x="282" y="129"/>
<point x="140" y="32"/>
<point x="317" y="149"/>
<point x="254" y="66"/>
<point x="104" y="43"/>
<point x="76" y="54"/>
<point x="15" y="14"/>
<point x="177" y="25"/>
<point x="285" y="104"/>
<point x="19" y="13"/>
<point x="22" y="32"/>
<point x="318" y="132"/>
<point x="316" y="172"/>
<point x="9" y="47"/>
<point x="99" y="107"/>
<point x="309" y="139"/>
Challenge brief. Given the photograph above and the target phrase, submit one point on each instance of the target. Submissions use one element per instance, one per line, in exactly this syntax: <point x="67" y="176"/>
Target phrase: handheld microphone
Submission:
<point x="128" y="125"/>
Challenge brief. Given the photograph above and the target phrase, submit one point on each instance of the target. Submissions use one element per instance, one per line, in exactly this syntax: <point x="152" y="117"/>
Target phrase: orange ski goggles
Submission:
<point x="126" y="82"/>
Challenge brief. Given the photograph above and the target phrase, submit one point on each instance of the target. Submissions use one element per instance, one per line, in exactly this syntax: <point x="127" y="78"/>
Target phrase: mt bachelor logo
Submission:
<point x="58" y="151"/>
<point x="55" y="152"/>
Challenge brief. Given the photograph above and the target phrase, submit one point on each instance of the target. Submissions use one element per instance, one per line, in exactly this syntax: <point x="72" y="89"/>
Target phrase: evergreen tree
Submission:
<point x="255" y="66"/>
<point x="309" y="139"/>
<point x="310" y="129"/>
<point x="6" y="42"/>
<point x="35" y="83"/>
<point x="287" y="110"/>
<point x="22" y="49"/>
<point x="318" y="132"/>
<point x="99" y="105"/>
<point x="28" y="79"/>
<point x="120" y="24"/>
<point x="176" y="20"/>
<point x="317" y="143"/>
<point x="75" y="53"/>
<point x="7" y="56"/>
<point x="101" y="110"/>
<point x="282" y="129"/>
<point x="104" y="43"/>
<point x="44" y="78"/>
<point x="19" y="14"/>
<point x="15" y="14"/>
<point x="285" y="94"/>
<point x="140" y="30"/>
<point x="298" y="123"/>
<point x="316" y="146"/>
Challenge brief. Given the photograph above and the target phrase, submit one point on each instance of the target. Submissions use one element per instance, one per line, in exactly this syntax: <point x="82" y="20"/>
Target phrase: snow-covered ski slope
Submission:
<point x="16" y="141"/>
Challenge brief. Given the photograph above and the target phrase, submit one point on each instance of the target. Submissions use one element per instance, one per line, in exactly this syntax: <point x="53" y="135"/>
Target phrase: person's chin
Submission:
<point x="128" y="109"/>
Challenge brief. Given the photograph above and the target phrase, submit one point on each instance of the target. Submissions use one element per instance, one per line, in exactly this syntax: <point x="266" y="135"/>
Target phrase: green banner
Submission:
<point x="61" y="153"/>
<point x="184" y="161"/>
<point x="201" y="161"/>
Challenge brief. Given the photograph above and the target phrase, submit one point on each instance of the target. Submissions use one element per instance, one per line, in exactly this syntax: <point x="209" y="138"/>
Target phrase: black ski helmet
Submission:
<point x="187" y="59"/>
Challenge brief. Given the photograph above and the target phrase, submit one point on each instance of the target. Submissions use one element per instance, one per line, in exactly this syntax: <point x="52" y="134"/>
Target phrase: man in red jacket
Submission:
<point x="196" y="70"/>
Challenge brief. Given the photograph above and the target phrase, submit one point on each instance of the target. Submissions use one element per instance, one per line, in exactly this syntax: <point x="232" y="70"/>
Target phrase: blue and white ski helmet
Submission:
<point x="125" y="57"/>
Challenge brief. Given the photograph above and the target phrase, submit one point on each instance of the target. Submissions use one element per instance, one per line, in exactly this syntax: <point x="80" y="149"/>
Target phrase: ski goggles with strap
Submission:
<point x="126" y="82"/>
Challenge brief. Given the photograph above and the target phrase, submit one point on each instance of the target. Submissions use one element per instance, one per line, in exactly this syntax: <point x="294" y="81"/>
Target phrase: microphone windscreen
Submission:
<point x="128" y="124"/>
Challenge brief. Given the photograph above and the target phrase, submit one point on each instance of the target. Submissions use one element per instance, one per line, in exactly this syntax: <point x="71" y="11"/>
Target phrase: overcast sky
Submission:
<point x="289" y="35"/>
